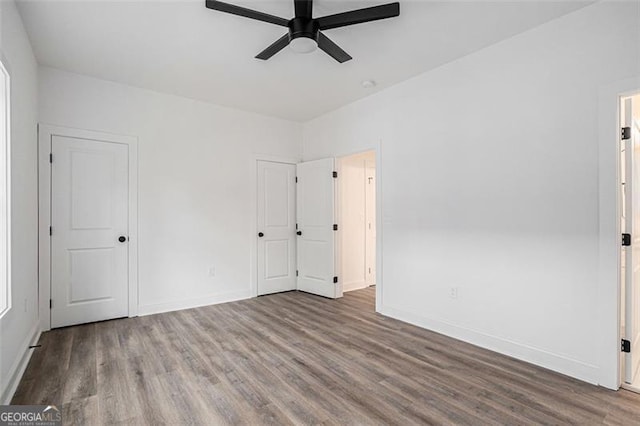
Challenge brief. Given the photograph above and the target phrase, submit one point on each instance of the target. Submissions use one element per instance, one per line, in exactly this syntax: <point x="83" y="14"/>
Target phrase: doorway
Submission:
<point x="629" y="208"/>
<point x="357" y="219"/>
<point x="316" y="225"/>
<point x="88" y="226"/>
<point x="296" y="228"/>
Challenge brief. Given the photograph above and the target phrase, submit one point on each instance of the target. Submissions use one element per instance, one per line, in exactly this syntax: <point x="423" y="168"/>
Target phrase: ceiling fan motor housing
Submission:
<point x="303" y="27"/>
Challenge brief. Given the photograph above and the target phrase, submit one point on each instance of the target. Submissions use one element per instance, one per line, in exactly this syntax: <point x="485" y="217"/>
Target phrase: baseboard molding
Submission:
<point x="354" y="285"/>
<point x="179" y="305"/>
<point x="630" y="387"/>
<point x="558" y="363"/>
<point x="20" y="365"/>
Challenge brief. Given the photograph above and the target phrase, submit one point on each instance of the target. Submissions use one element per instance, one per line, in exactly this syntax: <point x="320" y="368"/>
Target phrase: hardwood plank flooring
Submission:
<point x="293" y="358"/>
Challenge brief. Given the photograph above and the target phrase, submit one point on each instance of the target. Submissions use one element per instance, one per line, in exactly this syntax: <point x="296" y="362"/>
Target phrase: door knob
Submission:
<point x="122" y="238"/>
<point x="260" y="234"/>
<point x="299" y="232"/>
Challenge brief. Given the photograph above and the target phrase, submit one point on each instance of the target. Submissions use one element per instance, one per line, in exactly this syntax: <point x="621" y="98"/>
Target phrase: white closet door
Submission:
<point x="276" y="227"/>
<point x="89" y="242"/>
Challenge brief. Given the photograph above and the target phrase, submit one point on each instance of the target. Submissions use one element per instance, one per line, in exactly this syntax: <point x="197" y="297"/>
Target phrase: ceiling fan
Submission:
<point x="305" y="31"/>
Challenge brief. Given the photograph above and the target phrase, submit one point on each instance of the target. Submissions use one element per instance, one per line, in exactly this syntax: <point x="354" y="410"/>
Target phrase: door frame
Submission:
<point x="375" y="146"/>
<point x="253" y="228"/>
<point x="608" y="291"/>
<point x="340" y="211"/>
<point x="45" y="133"/>
<point x="622" y="252"/>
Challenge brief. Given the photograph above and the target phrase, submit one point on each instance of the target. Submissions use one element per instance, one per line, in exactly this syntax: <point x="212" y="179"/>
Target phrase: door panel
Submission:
<point x="316" y="246"/>
<point x="277" y="223"/>
<point x="89" y="211"/>
<point x="277" y="263"/>
<point x="92" y="176"/>
<point x="91" y="274"/>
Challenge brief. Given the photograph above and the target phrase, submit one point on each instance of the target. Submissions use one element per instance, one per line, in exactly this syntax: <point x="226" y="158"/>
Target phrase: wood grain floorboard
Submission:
<point x="293" y="358"/>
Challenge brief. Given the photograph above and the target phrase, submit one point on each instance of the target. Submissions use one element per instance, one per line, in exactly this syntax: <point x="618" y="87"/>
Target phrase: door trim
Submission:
<point x="45" y="133"/>
<point x="253" y="229"/>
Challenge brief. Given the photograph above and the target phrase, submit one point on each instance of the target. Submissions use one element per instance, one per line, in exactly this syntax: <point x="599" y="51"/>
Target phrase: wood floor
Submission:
<point x="293" y="358"/>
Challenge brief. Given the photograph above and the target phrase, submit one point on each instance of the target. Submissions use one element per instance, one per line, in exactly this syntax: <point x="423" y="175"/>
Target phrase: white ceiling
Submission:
<point x="181" y="47"/>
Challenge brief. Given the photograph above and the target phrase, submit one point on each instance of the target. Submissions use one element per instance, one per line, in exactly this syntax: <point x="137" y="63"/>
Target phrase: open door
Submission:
<point x="631" y="139"/>
<point x="315" y="222"/>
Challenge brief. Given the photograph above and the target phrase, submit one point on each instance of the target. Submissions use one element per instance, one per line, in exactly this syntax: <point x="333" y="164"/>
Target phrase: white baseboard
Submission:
<point x="354" y="285"/>
<point x="158" y="308"/>
<point x="558" y="363"/>
<point x="20" y="364"/>
<point x="630" y="387"/>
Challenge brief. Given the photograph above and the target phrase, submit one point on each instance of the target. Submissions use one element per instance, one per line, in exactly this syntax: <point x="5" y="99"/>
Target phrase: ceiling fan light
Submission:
<point x="303" y="45"/>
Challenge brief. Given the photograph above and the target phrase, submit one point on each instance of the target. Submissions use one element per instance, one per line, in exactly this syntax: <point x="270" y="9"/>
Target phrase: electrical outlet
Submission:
<point x="212" y="271"/>
<point x="453" y="292"/>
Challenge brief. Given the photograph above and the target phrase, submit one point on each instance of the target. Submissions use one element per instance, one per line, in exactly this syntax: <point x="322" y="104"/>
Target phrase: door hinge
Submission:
<point x="296" y="179"/>
<point x="50" y="157"/>
<point x="296" y="226"/>
<point x="625" y="346"/>
<point x="296" y="272"/>
<point x="335" y="226"/>
<point x="50" y="230"/>
<point x="335" y="174"/>
<point x="625" y="133"/>
<point x="626" y="239"/>
<point x="50" y="303"/>
<point x="335" y="280"/>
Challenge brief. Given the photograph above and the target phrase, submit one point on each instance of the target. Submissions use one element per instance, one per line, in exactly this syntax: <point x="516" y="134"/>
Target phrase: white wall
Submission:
<point x="352" y="219"/>
<point x="196" y="182"/>
<point x="19" y="326"/>
<point x="489" y="174"/>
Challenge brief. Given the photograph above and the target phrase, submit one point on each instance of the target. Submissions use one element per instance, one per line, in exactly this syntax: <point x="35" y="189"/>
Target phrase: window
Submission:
<point x="5" y="279"/>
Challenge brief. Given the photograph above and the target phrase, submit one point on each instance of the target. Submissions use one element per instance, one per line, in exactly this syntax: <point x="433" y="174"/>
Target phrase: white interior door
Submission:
<point x="89" y="241"/>
<point x="316" y="235"/>
<point x="370" y="222"/>
<point x="276" y="227"/>
<point x="632" y="252"/>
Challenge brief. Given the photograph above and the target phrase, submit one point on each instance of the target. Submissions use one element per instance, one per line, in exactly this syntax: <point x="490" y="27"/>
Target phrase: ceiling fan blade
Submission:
<point x="247" y="13"/>
<point x="280" y="44"/>
<point x="332" y="49"/>
<point x="359" y="16"/>
<point x="304" y="8"/>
